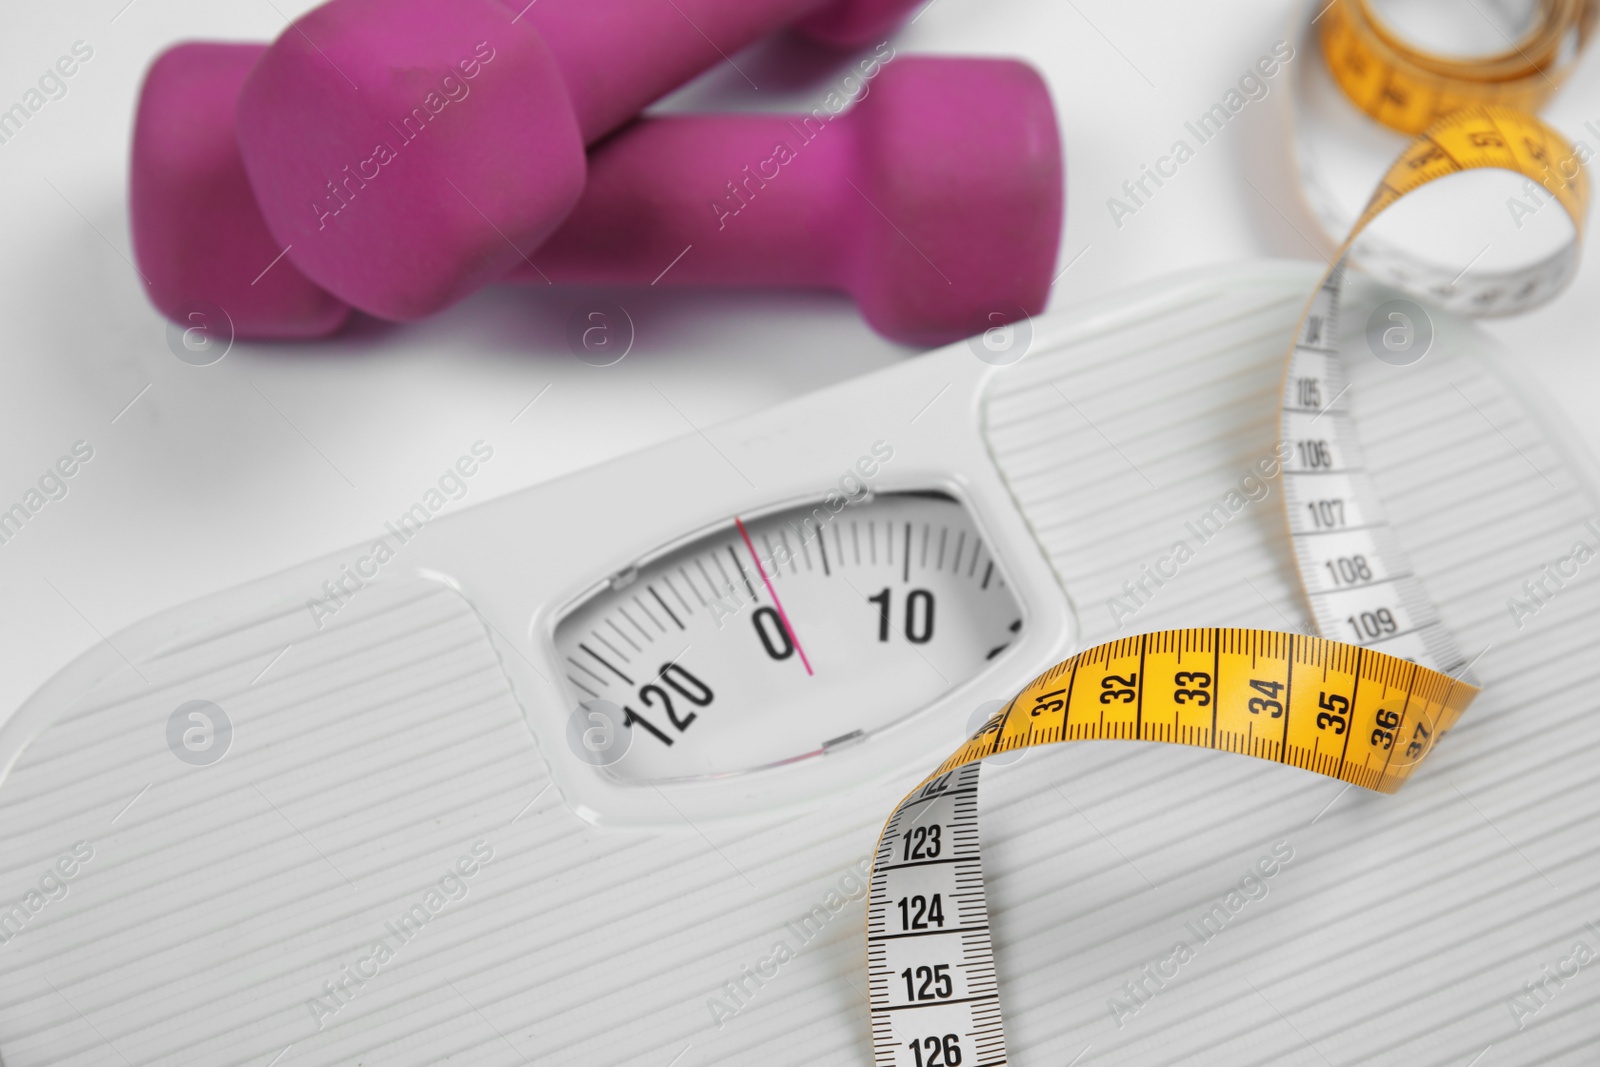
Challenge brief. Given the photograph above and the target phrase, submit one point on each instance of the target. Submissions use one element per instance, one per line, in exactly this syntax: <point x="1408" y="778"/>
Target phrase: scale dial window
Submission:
<point x="781" y="637"/>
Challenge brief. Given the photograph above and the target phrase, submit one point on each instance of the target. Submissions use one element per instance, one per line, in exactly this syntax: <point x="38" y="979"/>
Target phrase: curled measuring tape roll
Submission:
<point x="1409" y="89"/>
<point x="1367" y="66"/>
<point x="1366" y="712"/>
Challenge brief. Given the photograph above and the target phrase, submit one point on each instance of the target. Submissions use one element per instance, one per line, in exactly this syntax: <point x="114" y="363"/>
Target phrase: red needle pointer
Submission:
<point x="783" y="616"/>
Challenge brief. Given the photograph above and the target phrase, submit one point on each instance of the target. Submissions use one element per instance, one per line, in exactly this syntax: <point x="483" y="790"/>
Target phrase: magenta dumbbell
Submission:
<point x="407" y="152"/>
<point x="936" y="201"/>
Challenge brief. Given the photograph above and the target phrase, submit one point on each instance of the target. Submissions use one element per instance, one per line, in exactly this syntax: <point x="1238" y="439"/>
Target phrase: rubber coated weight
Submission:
<point x="936" y="201"/>
<point x="381" y="136"/>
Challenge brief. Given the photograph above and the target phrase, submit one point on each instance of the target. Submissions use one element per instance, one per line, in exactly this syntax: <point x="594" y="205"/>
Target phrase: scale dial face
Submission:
<point x="785" y="636"/>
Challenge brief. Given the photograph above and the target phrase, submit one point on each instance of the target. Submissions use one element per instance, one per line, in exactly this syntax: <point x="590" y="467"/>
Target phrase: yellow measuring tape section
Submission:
<point x="1479" y="137"/>
<point x="1408" y="89"/>
<point x="1350" y="713"/>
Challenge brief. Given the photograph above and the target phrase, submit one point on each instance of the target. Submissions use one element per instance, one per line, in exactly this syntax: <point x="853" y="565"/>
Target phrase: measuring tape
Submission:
<point x="1366" y="711"/>
<point x="1407" y="91"/>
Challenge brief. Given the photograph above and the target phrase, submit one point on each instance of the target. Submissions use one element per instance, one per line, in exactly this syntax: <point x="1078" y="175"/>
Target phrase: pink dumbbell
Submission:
<point x="936" y="201"/>
<point x="407" y="152"/>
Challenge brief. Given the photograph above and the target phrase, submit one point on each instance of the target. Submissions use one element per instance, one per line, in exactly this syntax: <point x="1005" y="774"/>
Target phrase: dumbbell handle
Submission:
<point x="619" y="55"/>
<point x="714" y="186"/>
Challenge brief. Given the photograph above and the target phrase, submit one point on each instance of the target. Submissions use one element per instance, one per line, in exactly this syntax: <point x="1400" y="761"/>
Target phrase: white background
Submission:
<point x="282" y="452"/>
